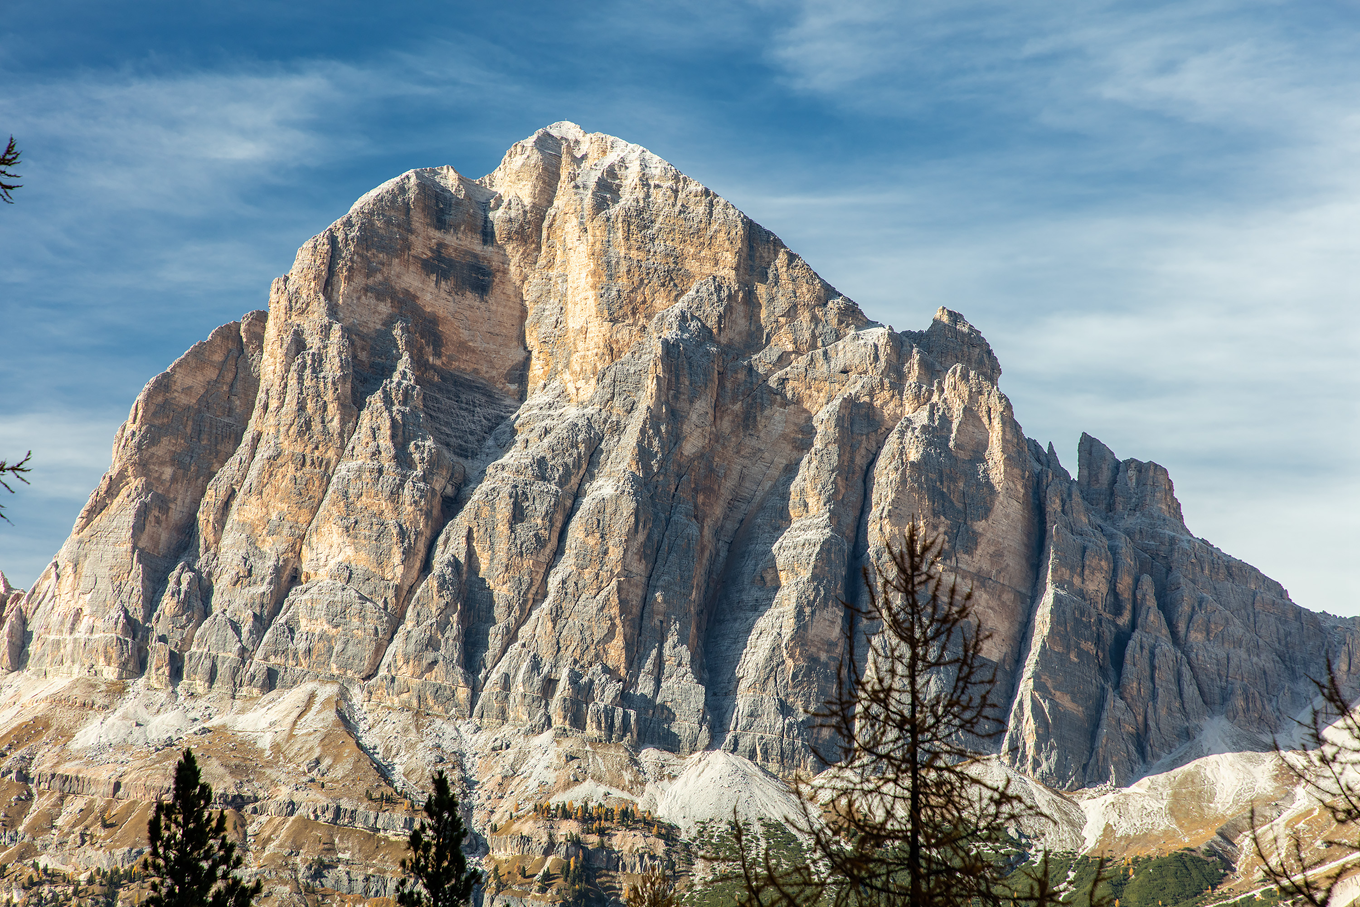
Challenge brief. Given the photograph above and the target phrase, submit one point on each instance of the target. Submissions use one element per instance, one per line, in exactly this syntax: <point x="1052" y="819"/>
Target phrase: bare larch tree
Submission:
<point x="1327" y="767"/>
<point x="909" y="813"/>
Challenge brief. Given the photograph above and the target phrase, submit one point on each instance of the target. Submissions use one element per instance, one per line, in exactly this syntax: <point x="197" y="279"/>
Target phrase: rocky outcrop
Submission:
<point x="12" y="619"/>
<point x="1141" y="632"/>
<point x="578" y="445"/>
<point x="91" y="609"/>
<point x="7" y="592"/>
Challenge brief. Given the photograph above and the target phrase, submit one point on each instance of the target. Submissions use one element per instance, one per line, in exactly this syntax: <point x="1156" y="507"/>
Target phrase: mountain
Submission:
<point x="578" y="455"/>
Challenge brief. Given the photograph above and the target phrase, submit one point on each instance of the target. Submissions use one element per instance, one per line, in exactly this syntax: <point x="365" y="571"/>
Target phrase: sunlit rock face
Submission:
<point x="579" y="445"/>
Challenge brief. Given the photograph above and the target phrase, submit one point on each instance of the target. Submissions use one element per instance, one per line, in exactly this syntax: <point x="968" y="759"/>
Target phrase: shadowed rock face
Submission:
<point x="580" y="445"/>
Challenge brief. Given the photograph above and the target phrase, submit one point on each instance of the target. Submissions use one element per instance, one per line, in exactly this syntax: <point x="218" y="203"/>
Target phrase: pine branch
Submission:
<point x="1329" y="769"/>
<point x="15" y="470"/>
<point x="8" y="159"/>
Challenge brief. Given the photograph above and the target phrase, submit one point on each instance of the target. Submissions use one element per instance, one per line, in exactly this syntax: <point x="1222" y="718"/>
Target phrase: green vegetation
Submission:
<point x="1181" y="879"/>
<point x="582" y="885"/>
<point x="600" y="818"/>
<point x="1178" y="878"/>
<point x="718" y="846"/>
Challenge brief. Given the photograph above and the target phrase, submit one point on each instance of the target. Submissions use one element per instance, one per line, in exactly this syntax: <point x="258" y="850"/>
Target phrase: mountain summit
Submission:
<point x="579" y="447"/>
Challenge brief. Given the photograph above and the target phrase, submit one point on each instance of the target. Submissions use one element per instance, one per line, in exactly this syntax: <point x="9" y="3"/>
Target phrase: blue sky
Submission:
<point x="1151" y="210"/>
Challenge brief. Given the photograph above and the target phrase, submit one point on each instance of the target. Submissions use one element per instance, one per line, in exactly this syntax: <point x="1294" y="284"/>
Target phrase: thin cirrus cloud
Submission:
<point x="150" y="155"/>
<point x="170" y="143"/>
<point x="1147" y="210"/>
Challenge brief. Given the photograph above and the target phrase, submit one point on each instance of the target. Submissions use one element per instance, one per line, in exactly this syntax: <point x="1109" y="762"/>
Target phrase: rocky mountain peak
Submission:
<point x="950" y="338"/>
<point x="578" y="446"/>
<point x="1127" y="488"/>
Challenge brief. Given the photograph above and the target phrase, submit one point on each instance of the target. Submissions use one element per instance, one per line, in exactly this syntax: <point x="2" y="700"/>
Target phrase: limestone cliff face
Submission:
<point x="580" y="445"/>
<point x="13" y="646"/>
<point x="1140" y="631"/>
<point x="91" y="610"/>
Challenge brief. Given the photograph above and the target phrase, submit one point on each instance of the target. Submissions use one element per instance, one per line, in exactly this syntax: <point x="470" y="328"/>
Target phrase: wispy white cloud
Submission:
<point x="140" y="205"/>
<point x="870" y="48"/>
<point x="130" y="175"/>
<point x="1221" y="345"/>
<point x="1190" y="89"/>
<point x="180" y="143"/>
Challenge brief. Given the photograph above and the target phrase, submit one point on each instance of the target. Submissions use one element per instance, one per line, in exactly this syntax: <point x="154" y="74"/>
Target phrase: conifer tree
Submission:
<point x="1327" y="767"/>
<point x="192" y="862"/>
<point x="907" y="815"/>
<point x="437" y="863"/>
<point x="580" y="881"/>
